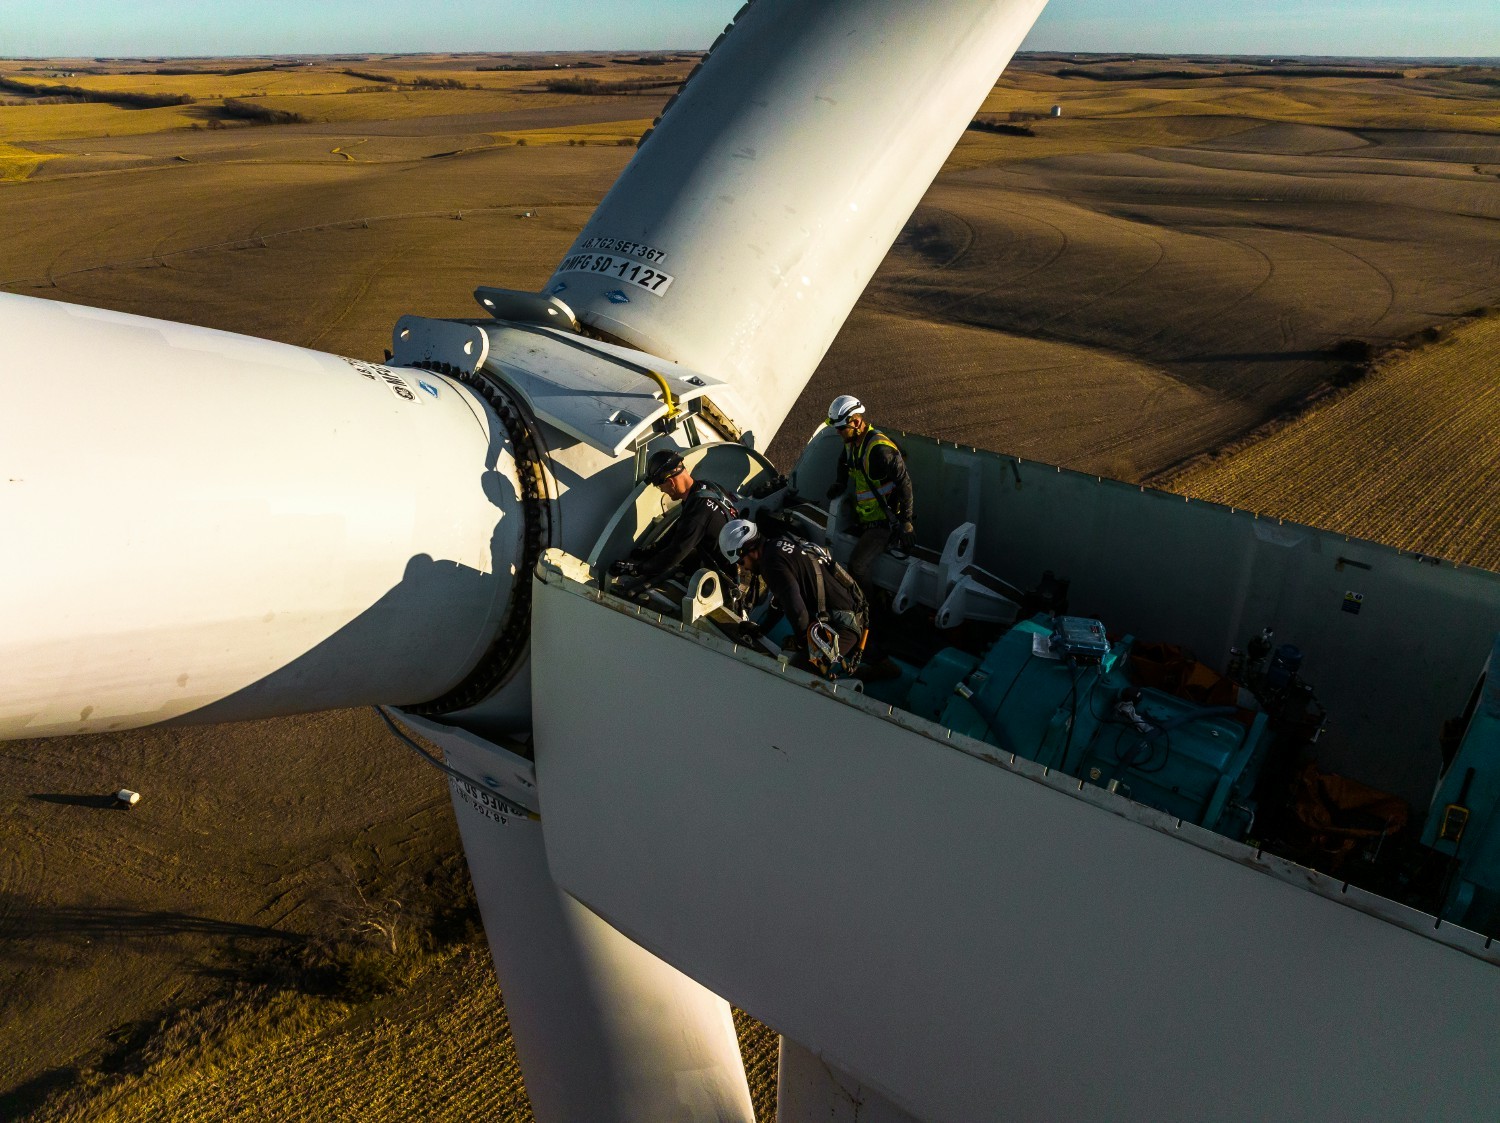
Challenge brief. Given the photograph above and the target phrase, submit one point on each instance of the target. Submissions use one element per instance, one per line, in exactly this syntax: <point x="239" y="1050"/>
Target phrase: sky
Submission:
<point x="1448" y="28"/>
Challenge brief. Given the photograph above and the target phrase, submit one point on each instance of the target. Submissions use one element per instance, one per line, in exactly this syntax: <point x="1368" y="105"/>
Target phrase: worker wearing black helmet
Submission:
<point x="691" y="541"/>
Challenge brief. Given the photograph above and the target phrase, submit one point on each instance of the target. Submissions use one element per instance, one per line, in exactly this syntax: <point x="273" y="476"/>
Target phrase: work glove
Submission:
<point x="633" y="588"/>
<point x="903" y="538"/>
<point x="749" y="631"/>
<point x="623" y="568"/>
<point x="835" y="490"/>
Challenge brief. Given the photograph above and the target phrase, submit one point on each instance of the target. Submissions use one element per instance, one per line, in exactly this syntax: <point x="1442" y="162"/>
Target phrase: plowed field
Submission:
<point x="1410" y="457"/>
<point x="369" y="1066"/>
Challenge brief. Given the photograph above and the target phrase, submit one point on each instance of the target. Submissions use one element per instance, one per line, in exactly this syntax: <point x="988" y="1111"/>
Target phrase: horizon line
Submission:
<point x="340" y="54"/>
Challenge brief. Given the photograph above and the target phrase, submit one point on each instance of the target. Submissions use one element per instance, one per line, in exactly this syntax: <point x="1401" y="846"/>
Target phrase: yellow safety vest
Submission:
<point x="870" y="499"/>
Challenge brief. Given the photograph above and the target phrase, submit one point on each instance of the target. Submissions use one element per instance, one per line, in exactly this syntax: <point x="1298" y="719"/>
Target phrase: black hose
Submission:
<point x="1186" y="719"/>
<point x="1161" y="729"/>
<point x="1062" y="765"/>
<point x="991" y="717"/>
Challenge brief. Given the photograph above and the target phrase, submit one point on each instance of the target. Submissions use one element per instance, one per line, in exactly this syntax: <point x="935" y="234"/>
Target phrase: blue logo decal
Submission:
<point x="433" y="390"/>
<point x="561" y="286"/>
<point x="615" y="296"/>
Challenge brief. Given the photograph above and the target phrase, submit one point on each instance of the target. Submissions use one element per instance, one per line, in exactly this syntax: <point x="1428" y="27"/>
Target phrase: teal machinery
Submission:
<point x="1463" y="823"/>
<point x="1055" y="690"/>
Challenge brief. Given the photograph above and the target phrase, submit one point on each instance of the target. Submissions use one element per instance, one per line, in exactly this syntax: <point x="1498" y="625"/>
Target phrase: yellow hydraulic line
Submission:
<point x="673" y="411"/>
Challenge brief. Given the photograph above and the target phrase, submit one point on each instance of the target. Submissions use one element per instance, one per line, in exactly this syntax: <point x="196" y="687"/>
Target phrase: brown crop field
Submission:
<point x="1179" y="264"/>
<point x="1409" y="457"/>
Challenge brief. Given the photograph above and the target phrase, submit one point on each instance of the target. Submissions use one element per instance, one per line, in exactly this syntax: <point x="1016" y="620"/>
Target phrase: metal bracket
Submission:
<point x="526" y="307"/>
<point x="704" y="603"/>
<point x="958" y="554"/>
<point x="906" y="592"/>
<point x="418" y="341"/>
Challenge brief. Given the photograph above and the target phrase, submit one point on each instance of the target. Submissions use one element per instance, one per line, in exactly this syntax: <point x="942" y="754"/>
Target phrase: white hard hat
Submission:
<point x="736" y="535"/>
<point x="844" y="407"/>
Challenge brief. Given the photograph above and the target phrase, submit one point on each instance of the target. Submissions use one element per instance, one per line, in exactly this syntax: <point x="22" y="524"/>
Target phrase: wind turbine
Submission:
<point x="956" y="935"/>
<point x="368" y="534"/>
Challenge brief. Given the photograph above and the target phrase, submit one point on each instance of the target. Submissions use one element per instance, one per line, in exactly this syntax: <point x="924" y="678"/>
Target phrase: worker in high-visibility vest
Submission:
<point x="882" y="488"/>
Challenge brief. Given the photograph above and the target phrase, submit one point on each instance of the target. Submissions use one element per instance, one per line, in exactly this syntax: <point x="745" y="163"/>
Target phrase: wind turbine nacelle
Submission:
<point x="210" y="527"/>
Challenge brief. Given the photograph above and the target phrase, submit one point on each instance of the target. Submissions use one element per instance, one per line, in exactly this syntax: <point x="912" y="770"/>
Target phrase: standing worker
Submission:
<point x="692" y="539"/>
<point x="882" y="488"/>
<point x="822" y="603"/>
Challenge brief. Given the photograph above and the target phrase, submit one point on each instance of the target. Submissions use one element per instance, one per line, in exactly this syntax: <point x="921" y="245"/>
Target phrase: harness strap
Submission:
<point x="723" y="494"/>
<point x="848" y="581"/>
<point x="839" y="662"/>
<point x="820" y="557"/>
<point x="857" y="458"/>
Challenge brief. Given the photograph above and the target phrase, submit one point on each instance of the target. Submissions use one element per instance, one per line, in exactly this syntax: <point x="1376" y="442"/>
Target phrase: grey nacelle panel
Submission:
<point x="966" y="937"/>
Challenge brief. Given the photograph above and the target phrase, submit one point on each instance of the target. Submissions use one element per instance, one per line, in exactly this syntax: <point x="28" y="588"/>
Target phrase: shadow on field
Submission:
<point x="1328" y="354"/>
<point x="123" y="1053"/>
<point x="107" y="802"/>
<point x="19" y="1102"/>
<point x="105" y="923"/>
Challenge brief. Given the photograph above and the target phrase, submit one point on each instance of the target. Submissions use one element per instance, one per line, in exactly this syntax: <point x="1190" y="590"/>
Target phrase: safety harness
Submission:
<point x="728" y="500"/>
<point x="871" y="502"/>
<point x="736" y="594"/>
<point x="726" y="503"/>
<point x="823" y="648"/>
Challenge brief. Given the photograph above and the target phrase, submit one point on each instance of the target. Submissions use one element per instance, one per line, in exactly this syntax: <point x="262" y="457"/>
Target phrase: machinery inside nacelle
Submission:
<point x="1229" y="748"/>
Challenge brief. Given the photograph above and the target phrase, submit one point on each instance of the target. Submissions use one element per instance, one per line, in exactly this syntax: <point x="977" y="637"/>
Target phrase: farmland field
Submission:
<point x="1409" y="457"/>
<point x="1170" y="267"/>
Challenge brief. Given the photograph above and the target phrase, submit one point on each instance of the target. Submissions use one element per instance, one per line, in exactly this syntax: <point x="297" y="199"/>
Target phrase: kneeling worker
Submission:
<point x="691" y="540"/>
<point x="822" y="603"/>
<point x="882" y="488"/>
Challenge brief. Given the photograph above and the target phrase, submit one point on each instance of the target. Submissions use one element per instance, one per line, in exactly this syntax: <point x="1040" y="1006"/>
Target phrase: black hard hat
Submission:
<point x="664" y="462"/>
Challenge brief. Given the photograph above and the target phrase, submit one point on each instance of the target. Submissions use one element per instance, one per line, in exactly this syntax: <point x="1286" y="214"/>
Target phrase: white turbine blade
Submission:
<point x="207" y="525"/>
<point x="755" y="213"/>
<point x="604" y="1030"/>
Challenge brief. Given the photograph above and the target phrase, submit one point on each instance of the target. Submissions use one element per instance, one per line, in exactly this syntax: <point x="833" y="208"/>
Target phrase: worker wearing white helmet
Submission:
<point x="821" y="601"/>
<point x="882" y="488"/>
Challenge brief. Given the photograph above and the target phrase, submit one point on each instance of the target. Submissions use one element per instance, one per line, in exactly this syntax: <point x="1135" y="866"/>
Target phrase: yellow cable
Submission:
<point x="673" y="412"/>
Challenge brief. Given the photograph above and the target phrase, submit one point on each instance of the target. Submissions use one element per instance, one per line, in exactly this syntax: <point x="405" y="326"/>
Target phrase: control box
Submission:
<point x="1080" y="639"/>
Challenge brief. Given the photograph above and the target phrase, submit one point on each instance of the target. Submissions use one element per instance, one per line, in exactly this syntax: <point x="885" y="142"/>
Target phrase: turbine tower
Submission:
<point x="369" y="535"/>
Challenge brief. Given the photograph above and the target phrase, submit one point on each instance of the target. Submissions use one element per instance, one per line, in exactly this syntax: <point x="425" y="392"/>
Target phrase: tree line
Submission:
<point x="595" y="86"/>
<point x="1200" y="75"/>
<point x="128" y="98"/>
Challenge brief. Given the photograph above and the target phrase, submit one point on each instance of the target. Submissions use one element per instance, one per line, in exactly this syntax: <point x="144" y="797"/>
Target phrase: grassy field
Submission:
<point x="1408" y="457"/>
<point x="1172" y="265"/>
<point x="40" y="125"/>
<point x="262" y="1057"/>
<point x="366" y="1061"/>
<point x="374" y="90"/>
<point x="16" y="163"/>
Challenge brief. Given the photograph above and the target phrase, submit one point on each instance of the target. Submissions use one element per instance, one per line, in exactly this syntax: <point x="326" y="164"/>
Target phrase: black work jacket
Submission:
<point x="791" y="576"/>
<point x="694" y="537"/>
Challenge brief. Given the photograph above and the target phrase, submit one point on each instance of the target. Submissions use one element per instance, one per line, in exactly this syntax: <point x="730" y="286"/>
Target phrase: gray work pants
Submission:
<point x="871" y="544"/>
